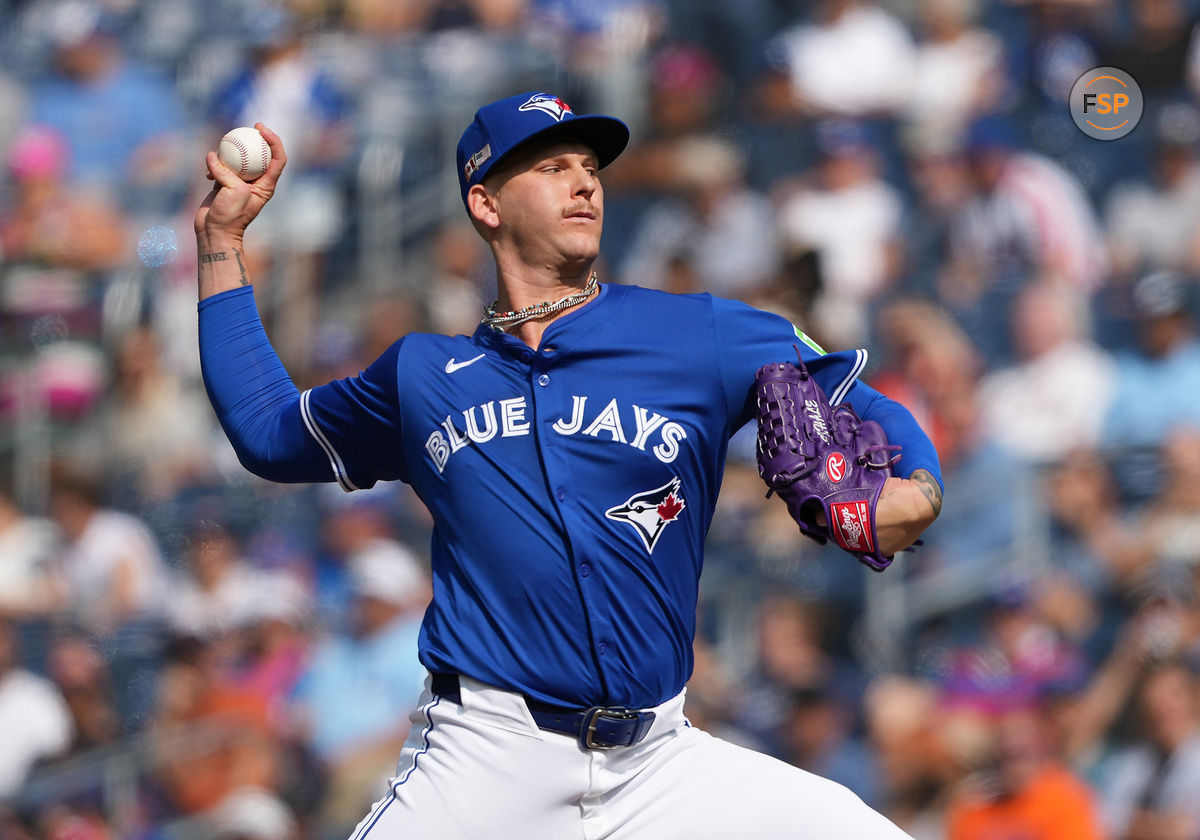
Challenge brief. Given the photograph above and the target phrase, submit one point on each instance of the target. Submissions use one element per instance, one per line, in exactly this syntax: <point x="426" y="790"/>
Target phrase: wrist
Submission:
<point x="210" y="241"/>
<point x="221" y="265"/>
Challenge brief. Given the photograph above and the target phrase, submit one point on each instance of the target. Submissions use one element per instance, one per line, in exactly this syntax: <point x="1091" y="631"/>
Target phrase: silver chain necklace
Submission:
<point x="499" y="320"/>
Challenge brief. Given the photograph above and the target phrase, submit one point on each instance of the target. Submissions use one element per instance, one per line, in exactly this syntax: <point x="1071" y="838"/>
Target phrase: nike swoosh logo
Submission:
<point x="452" y="365"/>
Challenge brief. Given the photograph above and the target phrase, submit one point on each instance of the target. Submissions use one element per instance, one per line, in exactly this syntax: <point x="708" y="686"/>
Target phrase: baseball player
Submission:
<point x="570" y="452"/>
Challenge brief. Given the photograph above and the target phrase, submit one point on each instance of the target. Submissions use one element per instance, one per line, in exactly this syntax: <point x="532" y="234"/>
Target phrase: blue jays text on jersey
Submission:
<point x="571" y="486"/>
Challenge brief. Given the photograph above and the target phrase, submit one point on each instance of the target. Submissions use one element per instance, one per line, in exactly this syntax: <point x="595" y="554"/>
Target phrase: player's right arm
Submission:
<point x="274" y="429"/>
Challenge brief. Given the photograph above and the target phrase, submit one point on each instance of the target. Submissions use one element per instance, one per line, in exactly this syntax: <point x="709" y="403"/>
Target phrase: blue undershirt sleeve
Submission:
<point x="346" y="431"/>
<point x="917" y="451"/>
<point x="252" y="394"/>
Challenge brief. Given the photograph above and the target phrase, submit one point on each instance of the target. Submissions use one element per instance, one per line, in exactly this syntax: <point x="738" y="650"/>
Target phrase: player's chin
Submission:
<point x="582" y="244"/>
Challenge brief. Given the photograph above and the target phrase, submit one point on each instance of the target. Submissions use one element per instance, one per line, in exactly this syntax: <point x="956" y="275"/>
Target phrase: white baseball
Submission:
<point x="245" y="152"/>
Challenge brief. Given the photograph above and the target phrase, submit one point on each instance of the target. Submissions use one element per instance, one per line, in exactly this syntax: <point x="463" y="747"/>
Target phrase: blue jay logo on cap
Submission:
<point x="545" y="103"/>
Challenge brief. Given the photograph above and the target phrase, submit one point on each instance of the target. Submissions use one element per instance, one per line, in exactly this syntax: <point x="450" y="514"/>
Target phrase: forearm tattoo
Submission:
<point x="246" y="282"/>
<point x="221" y="256"/>
<point x="929" y="486"/>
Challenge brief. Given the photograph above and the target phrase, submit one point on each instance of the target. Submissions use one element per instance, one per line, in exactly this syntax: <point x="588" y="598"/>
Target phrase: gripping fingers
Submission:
<point x="278" y="155"/>
<point x="219" y="172"/>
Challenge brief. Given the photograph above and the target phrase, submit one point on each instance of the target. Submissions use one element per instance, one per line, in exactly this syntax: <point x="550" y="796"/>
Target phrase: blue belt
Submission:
<point x="597" y="728"/>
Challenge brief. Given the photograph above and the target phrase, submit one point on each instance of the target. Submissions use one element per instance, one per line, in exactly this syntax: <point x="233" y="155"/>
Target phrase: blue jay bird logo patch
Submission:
<point x="650" y="512"/>
<point x="545" y="103"/>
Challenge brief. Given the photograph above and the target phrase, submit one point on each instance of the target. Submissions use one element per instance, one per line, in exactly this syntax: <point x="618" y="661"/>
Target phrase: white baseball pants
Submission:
<point x="484" y="771"/>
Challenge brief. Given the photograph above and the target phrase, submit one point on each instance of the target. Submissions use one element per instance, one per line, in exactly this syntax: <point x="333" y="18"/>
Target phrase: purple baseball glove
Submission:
<point x="822" y="459"/>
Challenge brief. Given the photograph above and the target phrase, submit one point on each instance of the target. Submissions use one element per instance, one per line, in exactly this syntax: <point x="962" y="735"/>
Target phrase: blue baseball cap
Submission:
<point x="502" y="127"/>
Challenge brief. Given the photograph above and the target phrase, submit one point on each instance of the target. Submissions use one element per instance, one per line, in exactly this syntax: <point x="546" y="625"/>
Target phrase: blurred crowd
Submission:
<point x="187" y="651"/>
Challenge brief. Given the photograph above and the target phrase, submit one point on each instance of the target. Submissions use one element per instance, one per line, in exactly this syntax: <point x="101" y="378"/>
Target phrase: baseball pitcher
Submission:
<point x="570" y="452"/>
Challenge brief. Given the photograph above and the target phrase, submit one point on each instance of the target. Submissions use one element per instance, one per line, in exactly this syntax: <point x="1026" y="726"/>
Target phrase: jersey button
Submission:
<point x="526" y="356"/>
<point x="544" y="380"/>
<point x="560" y="494"/>
<point x="585" y="570"/>
<point x="601" y="648"/>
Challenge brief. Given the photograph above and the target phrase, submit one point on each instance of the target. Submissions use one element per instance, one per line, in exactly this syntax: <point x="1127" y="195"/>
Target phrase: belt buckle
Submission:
<point x="588" y="735"/>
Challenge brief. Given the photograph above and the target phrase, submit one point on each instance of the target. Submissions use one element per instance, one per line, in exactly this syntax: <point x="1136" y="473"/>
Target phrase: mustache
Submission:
<point x="580" y="207"/>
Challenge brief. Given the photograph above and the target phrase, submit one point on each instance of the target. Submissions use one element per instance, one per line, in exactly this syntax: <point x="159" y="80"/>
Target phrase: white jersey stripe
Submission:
<point x="839" y="393"/>
<point x="335" y="460"/>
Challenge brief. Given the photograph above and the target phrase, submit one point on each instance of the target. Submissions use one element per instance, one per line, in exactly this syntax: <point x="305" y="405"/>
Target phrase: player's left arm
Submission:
<point x="912" y="498"/>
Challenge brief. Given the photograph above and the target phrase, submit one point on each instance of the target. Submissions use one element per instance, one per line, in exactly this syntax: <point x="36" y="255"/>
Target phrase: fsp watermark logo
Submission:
<point x="1106" y="103"/>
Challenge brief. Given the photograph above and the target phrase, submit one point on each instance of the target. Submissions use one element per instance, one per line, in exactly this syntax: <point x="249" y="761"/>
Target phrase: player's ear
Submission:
<point x="481" y="204"/>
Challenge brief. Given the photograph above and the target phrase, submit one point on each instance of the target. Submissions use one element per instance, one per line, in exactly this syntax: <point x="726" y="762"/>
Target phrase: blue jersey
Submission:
<point x="571" y="487"/>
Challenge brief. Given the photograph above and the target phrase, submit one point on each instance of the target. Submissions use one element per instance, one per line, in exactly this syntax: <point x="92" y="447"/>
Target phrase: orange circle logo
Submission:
<point x="1106" y="103"/>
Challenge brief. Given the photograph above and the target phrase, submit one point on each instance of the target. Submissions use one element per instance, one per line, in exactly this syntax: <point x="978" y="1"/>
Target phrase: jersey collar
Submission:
<point x="559" y="331"/>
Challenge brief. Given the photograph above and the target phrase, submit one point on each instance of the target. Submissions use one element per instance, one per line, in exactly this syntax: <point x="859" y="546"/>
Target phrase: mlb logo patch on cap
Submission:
<point x="504" y="126"/>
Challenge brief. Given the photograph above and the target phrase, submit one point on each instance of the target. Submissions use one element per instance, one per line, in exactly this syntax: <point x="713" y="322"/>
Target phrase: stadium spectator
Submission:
<point x="791" y="658"/>
<point x="374" y="662"/>
<point x="819" y="736"/>
<point x="849" y="217"/>
<point x="150" y="435"/>
<point x="1151" y="223"/>
<point x="930" y="362"/>
<point x="349" y="524"/>
<point x="985" y="526"/>
<point x="60" y="247"/>
<point x="915" y="752"/>
<point x="111" y="561"/>
<point x="1054" y="398"/>
<point x="1028" y="221"/>
<point x="1091" y="536"/>
<point x="1017" y="660"/>
<point x="115" y="581"/>
<point x="85" y="681"/>
<point x="52" y="223"/>
<point x="33" y="717"/>
<point x="253" y="814"/>
<point x="958" y="68"/>
<point x="1167" y="362"/>
<point x="712" y="691"/>
<point x="1053" y="43"/>
<point x="602" y="45"/>
<point x="219" y="592"/>
<point x="939" y="189"/>
<point x="936" y="367"/>
<point x="212" y="738"/>
<point x="713" y="221"/>
<point x="1163" y="548"/>
<point x="851" y="58"/>
<point x="1153" y="46"/>
<point x="275" y="646"/>
<point x="123" y="122"/>
<point x="1027" y="791"/>
<point x="453" y="288"/>
<point x="30" y="588"/>
<point x="1150" y="789"/>
<point x="685" y="94"/>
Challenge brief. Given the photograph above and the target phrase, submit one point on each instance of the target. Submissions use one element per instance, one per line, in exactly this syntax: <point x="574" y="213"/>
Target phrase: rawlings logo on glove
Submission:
<point x="822" y="460"/>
